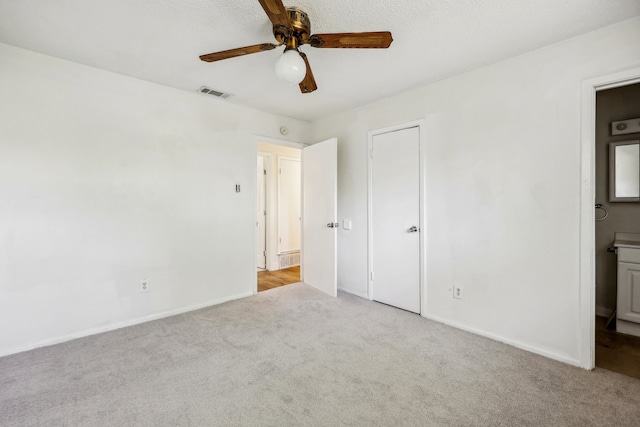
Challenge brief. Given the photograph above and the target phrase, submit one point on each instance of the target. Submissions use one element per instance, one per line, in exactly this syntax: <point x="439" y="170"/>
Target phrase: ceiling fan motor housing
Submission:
<point x="298" y="33"/>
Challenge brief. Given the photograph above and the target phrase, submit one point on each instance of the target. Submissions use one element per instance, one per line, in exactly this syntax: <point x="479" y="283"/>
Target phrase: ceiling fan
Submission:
<point x="291" y="27"/>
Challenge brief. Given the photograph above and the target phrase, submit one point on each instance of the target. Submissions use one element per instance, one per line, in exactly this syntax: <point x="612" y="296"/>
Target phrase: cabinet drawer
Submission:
<point x="629" y="255"/>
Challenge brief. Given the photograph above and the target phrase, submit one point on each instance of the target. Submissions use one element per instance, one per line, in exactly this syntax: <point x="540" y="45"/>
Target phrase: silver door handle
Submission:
<point x="413" y="229"/>
<point x="333" y="225"/>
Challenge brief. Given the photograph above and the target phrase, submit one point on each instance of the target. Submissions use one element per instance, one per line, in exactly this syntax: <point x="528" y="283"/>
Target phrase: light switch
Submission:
<point x="346" y="224"/>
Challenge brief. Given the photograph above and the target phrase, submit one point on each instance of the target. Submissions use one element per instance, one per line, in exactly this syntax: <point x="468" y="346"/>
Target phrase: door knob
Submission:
<point x="413" y="229"/>
<point x="333" y="225"/>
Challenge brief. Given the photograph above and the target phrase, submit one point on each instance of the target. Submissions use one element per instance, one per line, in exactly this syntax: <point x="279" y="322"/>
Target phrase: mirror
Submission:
<point x="624" y="171"/>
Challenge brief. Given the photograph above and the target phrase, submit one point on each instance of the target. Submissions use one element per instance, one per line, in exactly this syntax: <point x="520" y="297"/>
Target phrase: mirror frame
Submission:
<point x="612" y="172"/>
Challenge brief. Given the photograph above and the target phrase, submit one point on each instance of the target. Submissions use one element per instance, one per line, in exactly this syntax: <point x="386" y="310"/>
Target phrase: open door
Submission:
<point x="319" y="213"/>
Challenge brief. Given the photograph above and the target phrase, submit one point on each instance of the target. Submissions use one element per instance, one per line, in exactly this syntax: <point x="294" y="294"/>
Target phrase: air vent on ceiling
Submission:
<point x="214" y="92"/>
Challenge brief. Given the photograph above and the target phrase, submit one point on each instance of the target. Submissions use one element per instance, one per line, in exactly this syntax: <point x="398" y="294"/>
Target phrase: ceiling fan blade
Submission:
<point x="307" y="85"/>
<point x="276" y="12"/>
<point x="374" y="40"/>
<point x="232" y="53"/>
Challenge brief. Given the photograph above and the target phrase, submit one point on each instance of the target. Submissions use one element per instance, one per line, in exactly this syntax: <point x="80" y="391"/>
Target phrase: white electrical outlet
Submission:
<point x="457" y="291"/>
<point x="144" y="286"/>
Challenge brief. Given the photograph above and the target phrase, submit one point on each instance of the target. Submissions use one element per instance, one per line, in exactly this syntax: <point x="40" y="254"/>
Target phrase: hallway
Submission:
<point x="274" y="279"/>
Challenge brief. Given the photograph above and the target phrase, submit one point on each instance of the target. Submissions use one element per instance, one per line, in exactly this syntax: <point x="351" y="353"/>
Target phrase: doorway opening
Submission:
<point x="278" y="216"/>
<point x="617" y="209"/>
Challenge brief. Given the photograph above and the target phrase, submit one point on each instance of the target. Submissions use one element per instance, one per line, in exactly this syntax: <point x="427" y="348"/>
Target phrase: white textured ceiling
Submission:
<point x="160" y="41"/>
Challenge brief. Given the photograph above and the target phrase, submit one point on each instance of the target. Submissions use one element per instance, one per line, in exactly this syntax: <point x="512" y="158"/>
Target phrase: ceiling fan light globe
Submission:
<point x="290" y="67"/>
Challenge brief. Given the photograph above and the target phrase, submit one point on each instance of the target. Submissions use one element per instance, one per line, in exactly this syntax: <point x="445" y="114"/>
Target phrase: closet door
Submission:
<point x="395" y="218"/>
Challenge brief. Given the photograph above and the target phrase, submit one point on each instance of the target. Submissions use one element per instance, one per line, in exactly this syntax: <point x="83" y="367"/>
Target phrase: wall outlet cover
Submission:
<point x="458" y="292"/>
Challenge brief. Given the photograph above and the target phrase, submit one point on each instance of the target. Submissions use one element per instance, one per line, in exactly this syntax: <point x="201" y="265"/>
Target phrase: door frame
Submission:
<point x="274" y="141"/>
<point x="267" y="199"/>
<point x="420" y="124"/>
<point x="587" y="284"/>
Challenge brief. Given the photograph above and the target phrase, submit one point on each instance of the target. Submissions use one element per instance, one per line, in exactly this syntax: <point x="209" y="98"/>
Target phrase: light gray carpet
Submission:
<point x="293" y="356"/>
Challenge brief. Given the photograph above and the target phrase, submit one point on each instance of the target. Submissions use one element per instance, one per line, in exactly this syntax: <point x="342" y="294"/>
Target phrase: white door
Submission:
<point x="288" y="204"/>
<point x="261" y="215"/>
<point x="319" y="211"/>
<point x="395" y="218"/>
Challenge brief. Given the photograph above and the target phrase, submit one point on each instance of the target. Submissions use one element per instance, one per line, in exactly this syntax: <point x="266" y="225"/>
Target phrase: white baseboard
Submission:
<point x="513" y="343"/>
<point x="119" y="325"/>
<point x="603" y="311"/>
<point x="352" y="292"/>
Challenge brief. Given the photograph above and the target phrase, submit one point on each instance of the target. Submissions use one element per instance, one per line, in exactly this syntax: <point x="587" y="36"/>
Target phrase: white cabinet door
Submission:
<point x="629" y="292"/>
<point x="319" y="211"/>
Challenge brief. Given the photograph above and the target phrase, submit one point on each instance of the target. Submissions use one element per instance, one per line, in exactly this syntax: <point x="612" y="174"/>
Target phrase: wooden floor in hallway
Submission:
<point x="617" y="352"/>
<point x="274" y="279"/>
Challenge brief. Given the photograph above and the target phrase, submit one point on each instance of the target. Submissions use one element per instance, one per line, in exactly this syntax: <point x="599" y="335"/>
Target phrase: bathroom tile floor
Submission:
<point x="617" y="352"/>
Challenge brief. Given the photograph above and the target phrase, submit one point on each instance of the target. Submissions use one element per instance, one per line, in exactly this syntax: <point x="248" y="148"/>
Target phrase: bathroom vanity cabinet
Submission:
<point x="628" y="302"/>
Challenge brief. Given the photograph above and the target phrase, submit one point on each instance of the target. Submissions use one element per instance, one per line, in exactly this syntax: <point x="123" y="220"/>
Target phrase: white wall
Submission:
<point x="503" y="188"/>
<point x="107" y="180"/>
